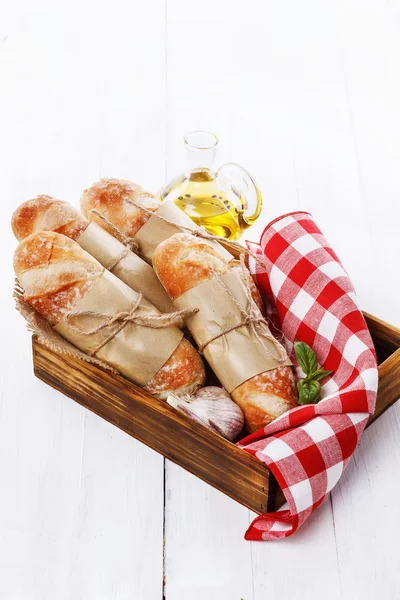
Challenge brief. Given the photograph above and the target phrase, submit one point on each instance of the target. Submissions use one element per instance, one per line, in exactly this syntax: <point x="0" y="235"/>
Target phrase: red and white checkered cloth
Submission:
<point x="308" y="448"/>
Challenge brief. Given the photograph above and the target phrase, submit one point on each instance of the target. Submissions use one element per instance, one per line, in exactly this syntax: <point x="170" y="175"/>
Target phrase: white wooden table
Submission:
<point x="306" y="95"/>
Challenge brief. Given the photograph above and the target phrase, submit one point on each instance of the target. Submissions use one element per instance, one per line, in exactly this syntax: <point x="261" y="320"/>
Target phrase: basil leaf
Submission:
<point x="306" y="358"/>
<point x="309" y="391"/>
<point x="320" y="374"/>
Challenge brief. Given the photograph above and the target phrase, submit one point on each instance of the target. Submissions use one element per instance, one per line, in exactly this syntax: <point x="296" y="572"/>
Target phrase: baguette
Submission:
<point x="45" y="213"/>
<point x="56" y="274"/>
<point x="183" y="262"/>
<point x="107" y="197"/>
<point x="135" y="216"/>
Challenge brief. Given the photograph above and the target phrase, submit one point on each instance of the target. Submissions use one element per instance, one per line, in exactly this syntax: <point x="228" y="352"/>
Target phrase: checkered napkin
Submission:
<point x="308" y="448"/>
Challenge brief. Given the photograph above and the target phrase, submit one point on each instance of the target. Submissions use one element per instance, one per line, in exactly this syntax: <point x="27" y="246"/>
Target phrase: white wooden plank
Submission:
<point x="303" y="566"/>
<point x="365" y="502"/>
<point x="371" y="69"/>
<point x="306" y="96"/>
<point x="205" y="553"/>
<point x="323" y="167"/>
<point x="81" y="509"/>
<point x="358" y="213"/>
<point x="344" y="155"/>
<point x="251" y="82"/>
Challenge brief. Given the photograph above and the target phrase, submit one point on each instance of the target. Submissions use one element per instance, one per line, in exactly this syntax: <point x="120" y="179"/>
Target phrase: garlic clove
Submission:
<point x="213" y="407"/>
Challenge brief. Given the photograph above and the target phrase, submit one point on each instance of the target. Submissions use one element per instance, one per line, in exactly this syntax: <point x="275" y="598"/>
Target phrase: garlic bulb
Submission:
<point x="213" y="407"/>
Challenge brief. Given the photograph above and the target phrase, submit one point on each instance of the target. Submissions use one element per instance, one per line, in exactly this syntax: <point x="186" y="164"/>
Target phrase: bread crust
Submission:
<point x="45" y="213"/>
<point x="183" y="373"/>
<point x="55" y="273"/>
<point x="265" y="397"/>
<point x="183" y="262"/>
<point x="197" y="259"/>
<point x="107" y="196"/>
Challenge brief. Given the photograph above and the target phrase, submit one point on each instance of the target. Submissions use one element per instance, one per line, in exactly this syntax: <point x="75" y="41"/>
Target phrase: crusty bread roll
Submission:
<point x="183" y="373"/>
<point x="183" y="262"/>
<point x="107" y="197"/>
<point x="55" y="274"/>
<point x="45" y="213"/>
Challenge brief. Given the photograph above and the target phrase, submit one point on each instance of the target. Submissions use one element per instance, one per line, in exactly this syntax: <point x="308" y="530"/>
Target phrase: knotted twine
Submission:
<point x="153" y="321"/>
<point x="251" y="317"/>
<point x="40" y="327"/>
<point x="129" y="242"/>
<point x="48" y="336"/>
<point x="199" y="232"/>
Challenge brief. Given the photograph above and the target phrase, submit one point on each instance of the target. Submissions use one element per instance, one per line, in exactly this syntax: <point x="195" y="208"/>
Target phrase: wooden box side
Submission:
<point x="198" y="450"/>
<point x="386" y="340"/>
<point x="190" y="445"/>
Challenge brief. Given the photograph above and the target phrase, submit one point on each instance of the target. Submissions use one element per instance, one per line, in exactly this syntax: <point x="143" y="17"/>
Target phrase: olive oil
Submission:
<point x="206" y="204"/>
<point x="216" y="200"/>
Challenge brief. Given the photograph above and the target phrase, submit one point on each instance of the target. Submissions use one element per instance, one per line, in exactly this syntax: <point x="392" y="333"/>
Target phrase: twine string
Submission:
<point x="129" y="242"/>
<point x="152" y="321"/>
<point x="251" y="317"/>
<point x="199" y="232"/>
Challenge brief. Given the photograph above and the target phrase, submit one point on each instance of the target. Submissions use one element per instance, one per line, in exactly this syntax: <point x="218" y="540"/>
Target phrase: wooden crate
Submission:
<point x="198" y="450"/>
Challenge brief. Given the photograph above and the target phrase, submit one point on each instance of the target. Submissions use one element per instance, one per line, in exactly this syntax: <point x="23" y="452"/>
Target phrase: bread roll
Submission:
<point x="133" y="215"/>
<point x="45" y="213"/>
<point x="107" y="197"/>
<point x="183" y="262"/>
<point x="55" y="274"/>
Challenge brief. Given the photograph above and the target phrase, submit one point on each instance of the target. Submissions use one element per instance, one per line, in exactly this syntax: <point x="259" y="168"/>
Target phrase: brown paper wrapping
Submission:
<point x="38" y="325"/>
<point x="136" y="351"/>
<point x="238" y="355"/>
<point x="128" y="267"/>
<point x="155" y="231"/>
